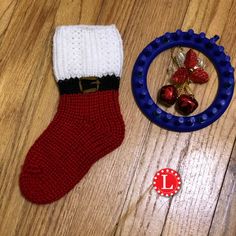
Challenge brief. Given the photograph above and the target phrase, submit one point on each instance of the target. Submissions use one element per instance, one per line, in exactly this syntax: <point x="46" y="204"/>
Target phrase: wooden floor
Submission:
<point x="115" y="197"/>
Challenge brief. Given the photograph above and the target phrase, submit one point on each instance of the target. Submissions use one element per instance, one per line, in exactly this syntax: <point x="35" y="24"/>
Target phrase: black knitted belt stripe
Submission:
<point x="88" y="84"/>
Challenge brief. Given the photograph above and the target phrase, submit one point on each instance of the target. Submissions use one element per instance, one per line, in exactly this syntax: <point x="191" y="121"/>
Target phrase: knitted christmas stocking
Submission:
<point x="88" y="123"/>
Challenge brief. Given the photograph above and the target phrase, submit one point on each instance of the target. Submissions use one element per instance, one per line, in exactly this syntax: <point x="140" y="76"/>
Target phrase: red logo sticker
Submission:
<point x="167" y="182"/>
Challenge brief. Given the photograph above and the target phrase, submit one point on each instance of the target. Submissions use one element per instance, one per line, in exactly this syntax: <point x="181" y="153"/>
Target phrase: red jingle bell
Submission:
<point x="168" y="94"/>
<point x="186" y="104"/>
<point x="191" y="59"/>
<point x="180" y="76"/>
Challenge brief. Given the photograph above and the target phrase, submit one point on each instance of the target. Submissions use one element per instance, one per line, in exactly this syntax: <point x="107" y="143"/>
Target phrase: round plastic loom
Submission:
<point x="210" y="49"/>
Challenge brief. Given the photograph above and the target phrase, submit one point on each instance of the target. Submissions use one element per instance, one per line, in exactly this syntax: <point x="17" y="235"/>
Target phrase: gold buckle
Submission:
<point x="95" y="81"/>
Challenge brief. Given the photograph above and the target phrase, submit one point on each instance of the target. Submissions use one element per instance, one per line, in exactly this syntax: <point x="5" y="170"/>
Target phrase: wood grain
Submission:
<point x="115" y="197"/>
<point x="223" y="222"/>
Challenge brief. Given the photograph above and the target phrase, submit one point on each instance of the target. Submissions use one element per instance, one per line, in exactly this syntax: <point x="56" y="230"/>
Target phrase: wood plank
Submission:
<point x="224" y="221"/>
<point x="201" y="157"/>
<point x="36" y="103"/>
<point x="6" y="12"/>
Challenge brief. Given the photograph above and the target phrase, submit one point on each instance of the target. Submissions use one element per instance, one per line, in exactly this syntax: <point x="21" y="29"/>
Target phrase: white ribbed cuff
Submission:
<point x="87" y="50"/>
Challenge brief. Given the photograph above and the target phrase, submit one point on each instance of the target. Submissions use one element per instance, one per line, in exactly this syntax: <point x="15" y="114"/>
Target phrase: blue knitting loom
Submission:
<point x="209" y="48"/>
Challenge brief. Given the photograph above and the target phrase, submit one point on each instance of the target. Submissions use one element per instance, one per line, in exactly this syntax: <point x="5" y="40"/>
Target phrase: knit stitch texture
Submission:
<point x="81" y="51"/>
<point x="86" y="126"/>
